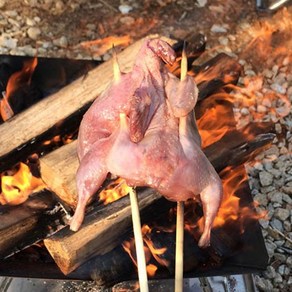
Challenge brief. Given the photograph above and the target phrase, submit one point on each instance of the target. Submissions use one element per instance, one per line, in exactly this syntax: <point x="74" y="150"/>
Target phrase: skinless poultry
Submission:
<point x="143" y="129"/>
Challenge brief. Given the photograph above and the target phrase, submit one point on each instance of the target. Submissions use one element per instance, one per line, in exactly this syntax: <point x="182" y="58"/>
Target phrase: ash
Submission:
<point x="63" y="29"/>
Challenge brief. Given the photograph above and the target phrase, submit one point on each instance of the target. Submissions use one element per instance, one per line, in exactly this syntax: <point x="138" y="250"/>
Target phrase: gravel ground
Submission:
<point x="56" y="28"/>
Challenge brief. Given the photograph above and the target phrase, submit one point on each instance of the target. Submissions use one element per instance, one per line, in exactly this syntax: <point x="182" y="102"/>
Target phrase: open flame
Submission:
<point x="16" y="81"/>
<point x="18" y="187"/>
<point x="100" y="46"/>
<point x="151" y="252"/>
<point x="114" y="191"/>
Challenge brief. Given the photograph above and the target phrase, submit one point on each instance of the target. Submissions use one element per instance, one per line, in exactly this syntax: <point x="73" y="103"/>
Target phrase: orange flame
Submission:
<point x="17" y="188"/>
<point x="114" y="191"/>
<point x="16" y="81"/>
<point x="213" y="125"/>
<point x="149" y="249"/>
<point x="101" y="46"/>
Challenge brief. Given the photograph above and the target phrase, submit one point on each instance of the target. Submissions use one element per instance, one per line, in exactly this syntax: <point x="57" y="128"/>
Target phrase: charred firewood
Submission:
<point x="23" y="225"/>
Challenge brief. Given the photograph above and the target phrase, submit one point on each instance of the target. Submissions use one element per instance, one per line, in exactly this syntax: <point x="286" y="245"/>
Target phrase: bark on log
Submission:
<point x="98" y="235"/>
<point x="25" y="224"/>
<point x="36" y="123"/>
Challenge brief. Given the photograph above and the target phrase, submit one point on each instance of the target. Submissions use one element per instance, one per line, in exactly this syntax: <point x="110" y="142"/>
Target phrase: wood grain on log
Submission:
<point x="98" y="234"/>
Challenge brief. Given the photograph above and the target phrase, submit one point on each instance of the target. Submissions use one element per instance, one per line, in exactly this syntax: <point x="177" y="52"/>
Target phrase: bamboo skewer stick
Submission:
<point x="179" y="254"/>
<point x="141" y="261"/>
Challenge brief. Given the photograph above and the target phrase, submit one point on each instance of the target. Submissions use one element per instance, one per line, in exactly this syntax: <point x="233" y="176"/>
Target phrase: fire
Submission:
<point x="149" y="249"/>
<point x="18" y="187"/>
<point x="114" y="191"/>
<point x="16" y="81"/>
<point x="213" y="125"/>
<point x="100" y="46"/>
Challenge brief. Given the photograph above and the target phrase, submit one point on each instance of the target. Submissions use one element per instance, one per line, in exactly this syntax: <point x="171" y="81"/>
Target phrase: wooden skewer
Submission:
<point x="141" y="262"/>
<point x="179" y="254"/>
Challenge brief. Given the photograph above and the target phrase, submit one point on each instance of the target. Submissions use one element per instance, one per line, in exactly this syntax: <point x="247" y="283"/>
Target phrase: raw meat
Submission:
<point x="142" y="128"/>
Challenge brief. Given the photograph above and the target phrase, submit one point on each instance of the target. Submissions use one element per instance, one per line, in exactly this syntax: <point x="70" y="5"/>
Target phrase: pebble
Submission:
<point x="216" y="28"/>
<point x="261" y="199"/>
<point x="125" y="9"/>
<point x="282" y="213"/>
<point x="201" y="3"/>
<point x="2" y="3"/>
<point x="33" y="33"/>
<point x="277" y="224"/>
<point x="9" y="43"/>
<point x="266" y="178"/>
<point x="61" y="42"/>
<point x="278" y="88"/>
<point x="128" y="20"/>
<point x="270" y="272"/>
<point x="30" y="22"/>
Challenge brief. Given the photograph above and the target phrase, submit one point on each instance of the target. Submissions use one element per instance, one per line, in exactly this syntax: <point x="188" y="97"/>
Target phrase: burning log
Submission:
<point x="23" y="225"/>
<point x="61" y="244"/>
<point x="98" y="234"/>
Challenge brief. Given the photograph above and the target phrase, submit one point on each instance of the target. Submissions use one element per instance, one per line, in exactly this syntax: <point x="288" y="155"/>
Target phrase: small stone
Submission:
<point x="288" y="190"/>
<point x="63" y="42"/>
<point x="9" y="43"/>
<point x="278" y="278"/>
<point x="30" y="22"/>
<point x="91" y="26"/>
<point x="278" y="128"/>
<point x="223" y="41"/>
<point x="125" y="9"/>
<point x="216" y="28"/>
<point x="59" y="6"/>
<point x="264" y="223"/>
<point x="266" y="178"/>
<point x="282" y="214"/>
<point x="270" y="273"/>
<point x="289" y="262"/>
<point x="201" y="3"/>
<point x="36" y="19"/>
<point x="278" y="88"/>
<point x="244" y="111"/>
<point x="270" y="246"/>
<point x="33" y="33"/>
<point x="11" y="13"/>
<point x="273" y="150"/>
<point x="287" y="226"/>
<point x="128" y="20"/>
<point x="277" y="224"/>
<point x="275" y="196"/>
<point x="261" y="199"/>
<point x="2" y="3"/>
<point x="280" y="257"/>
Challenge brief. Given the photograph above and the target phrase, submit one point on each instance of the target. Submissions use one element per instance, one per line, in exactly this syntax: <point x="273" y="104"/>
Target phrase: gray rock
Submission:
<point x="281" y="269"/>
<point x="7" y="42"/>
<point x="270" y="246"/>
<point x="278" y="88"/>
<point x="217" y="28"/>
<point x="266" y="178"/>
<point x="270" y="273"/>
<point x="288" y="190"/>
<point x="275" y="196"/>
<point x="276" y="223"/>
<point x="281" y="213"/>
<point x="280" y="257"/>
<point x="33" y="33"/>
<point x="125" y="9"/>
<point x="261" y="199"/>
<point x="278" y="278"/>
<point x="287" y="226"/>
<point x="261" y="109"/>
<point x="289" y="262"/>
<point x="264" y="223"/>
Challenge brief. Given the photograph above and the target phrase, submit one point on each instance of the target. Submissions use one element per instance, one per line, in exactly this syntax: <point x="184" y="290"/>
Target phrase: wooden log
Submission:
<point x="98" y="235"/>
<point x="28" y="223"/>
<point x="36" y="123"/>
<point x="96" y="232"/>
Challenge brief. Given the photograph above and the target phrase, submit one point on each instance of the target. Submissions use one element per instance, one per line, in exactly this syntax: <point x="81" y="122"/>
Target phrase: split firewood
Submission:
<point x="23" y="225"/>
<point x="98" y="234"/>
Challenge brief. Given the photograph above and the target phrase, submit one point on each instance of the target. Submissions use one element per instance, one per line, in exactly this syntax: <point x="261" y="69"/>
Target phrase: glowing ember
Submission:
<point x="18" y="187"/>
<point x="114" y="191"/>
